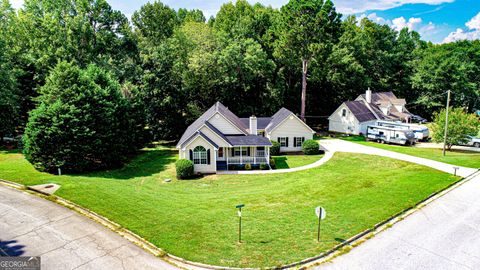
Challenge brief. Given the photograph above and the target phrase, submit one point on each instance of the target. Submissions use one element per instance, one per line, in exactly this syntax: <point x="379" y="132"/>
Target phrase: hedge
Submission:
<point x="184" y="168"/>
<point x="275" y="149"/>
<point x="311" y="147"/>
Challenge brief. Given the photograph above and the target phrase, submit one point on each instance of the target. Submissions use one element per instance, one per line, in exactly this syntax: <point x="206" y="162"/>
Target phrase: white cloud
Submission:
<point x="351" y="7"/>
<point x="473" y="24"/>
<point x="400" y="23"/>
<point x="16" y="3"/>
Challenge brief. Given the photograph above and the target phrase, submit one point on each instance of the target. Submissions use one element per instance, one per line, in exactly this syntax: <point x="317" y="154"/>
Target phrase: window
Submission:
<point x="237" y="151"/>
<point x="261" y="133"/>
<point x="298" y="141"/>
<point x="344" y="112"/>
<point x="283" y="141"/>
<point x="260" y="151"/>
<point x="200" y="155"/>
<point x="220" y="152"/>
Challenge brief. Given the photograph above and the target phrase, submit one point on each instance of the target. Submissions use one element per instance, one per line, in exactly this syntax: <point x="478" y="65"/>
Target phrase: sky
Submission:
<point x="438" y="21"/>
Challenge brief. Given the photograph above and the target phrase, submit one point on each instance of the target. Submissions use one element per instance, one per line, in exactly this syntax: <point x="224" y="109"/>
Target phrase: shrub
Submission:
<point x="263" y="167"/>
<point x="275" y="149"/>
<point x="248" y="166"/>
<point x="311" y="147"/>
<point x="272" y="163"/>
<point x="184" y="168"/>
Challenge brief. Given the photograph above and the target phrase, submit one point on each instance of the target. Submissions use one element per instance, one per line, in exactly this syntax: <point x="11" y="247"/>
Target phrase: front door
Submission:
<point x="221" y="154"/>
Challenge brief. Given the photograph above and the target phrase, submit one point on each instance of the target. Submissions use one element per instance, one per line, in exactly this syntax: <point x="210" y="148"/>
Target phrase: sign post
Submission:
<point x="239" y="207"/>
<point x="321" y="214"/>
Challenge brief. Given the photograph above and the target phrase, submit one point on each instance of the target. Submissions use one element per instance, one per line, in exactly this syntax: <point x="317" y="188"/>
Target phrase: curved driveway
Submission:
<point x="32" y="226"/>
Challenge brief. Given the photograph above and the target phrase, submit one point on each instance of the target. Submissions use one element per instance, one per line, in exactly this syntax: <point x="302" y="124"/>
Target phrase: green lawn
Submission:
<point x="292" y="161"/>
<point x="456" y="157"/>
<point x="197" y="219"/>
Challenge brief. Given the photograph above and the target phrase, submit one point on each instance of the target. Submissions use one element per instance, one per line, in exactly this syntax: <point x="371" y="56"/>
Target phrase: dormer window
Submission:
<point x="344" y="112"/>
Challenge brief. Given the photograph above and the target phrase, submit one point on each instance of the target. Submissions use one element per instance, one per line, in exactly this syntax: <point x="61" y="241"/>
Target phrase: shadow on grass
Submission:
<point x="353" y="138"/>
<point x="146" y="163"/>
<point x="281" y="162"/>
<point x="5" y="151"/>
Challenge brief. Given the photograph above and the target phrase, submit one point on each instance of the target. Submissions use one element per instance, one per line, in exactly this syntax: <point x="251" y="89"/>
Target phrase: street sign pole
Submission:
<point x="319" y="219"/>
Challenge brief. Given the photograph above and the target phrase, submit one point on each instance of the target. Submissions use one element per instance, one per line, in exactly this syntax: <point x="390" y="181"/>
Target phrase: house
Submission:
<point x="353" y="117"/>
<point x="219" y="138"/>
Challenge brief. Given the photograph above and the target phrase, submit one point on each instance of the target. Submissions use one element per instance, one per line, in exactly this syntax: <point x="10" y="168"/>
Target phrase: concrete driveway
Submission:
<point x="336" y="145"/>
<point x="32" y="226"/>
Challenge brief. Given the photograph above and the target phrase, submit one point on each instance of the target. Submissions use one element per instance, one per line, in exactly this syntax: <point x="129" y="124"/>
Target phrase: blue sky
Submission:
<point x="436" y="20"/>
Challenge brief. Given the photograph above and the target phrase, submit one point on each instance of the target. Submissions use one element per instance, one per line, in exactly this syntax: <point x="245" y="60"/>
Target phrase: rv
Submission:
<point x="421" y="132"/>
<point x="390" y="135"/>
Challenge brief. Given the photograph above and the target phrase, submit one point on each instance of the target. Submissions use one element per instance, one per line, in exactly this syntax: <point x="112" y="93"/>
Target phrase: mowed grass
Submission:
<point x="293" y="161"/>
<point x="197" y="219"/>
<point x="455" y="157"/>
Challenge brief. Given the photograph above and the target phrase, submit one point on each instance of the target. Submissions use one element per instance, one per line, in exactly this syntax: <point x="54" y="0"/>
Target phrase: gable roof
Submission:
<point x="199" y="133"/>
<point x="382" y="99"/>
<point x="216" y="108"/>
<point x="360" y="110"/>
<point x="277" y="119"/>
<point x="262" y="122"/>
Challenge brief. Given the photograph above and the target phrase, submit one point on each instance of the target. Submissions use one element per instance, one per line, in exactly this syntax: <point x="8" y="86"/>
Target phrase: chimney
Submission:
<point x="368" y="95"/>
<point x="253" y="125"/>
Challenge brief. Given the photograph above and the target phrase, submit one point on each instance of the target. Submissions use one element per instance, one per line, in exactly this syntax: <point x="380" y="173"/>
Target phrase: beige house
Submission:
<point x="353" y="117"/>
<point x="218" y="138"/>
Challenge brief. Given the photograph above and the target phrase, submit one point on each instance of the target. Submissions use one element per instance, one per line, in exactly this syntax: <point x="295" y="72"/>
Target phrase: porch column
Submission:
<point x="241" y="160"/>
<point x="255" y="155"/>
<point x="267" y="151"/>
<point x="225" y="151"/>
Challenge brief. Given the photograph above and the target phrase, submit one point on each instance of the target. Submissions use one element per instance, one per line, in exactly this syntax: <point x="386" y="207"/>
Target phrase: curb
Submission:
<point x="303" y="264"/>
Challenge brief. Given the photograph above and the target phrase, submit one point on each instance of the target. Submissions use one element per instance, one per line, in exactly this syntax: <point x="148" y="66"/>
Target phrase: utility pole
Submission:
<point x="446" y="123"/>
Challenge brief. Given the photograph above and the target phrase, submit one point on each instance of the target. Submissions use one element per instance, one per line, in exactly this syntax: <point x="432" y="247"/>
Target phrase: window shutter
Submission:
<point x="278" y="139"/>
<point x="191" y="154"/>
<point x="295" y="141"/>
<point x="208" y="156"/>
<point x="287" y="142"/>
<point x="233" y="151"/>
<point x="248" y="151"/>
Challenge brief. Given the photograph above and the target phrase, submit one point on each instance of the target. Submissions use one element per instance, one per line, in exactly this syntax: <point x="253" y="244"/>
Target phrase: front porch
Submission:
<point x="254" y="155"/>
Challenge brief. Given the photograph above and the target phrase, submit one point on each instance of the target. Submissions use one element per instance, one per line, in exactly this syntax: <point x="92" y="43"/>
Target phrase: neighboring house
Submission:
<point x="219" y="138"/>
<point x="353" y="117"/>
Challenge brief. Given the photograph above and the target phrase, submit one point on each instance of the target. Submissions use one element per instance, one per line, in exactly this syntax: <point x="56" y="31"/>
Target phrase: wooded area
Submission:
<point x="171" y="65"/>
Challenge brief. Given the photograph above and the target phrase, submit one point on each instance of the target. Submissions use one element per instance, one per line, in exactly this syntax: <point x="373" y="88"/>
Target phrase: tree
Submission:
<point x="460" y="125"/>
<point x="82" y="122"/>
<point x="155" y="22"/>
<point x="307" y="27"/>
<point x="9" y="99"/>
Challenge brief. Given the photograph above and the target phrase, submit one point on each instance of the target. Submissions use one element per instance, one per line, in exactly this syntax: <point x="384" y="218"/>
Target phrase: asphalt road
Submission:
<point x="64" y="239"/>
<point x="442" y="235"/>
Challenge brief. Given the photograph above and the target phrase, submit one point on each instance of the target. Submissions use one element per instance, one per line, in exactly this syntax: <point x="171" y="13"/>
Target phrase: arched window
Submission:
<point x="200" y="155"/>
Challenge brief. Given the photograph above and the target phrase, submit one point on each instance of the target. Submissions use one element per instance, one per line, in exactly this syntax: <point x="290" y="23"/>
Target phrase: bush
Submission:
<point x="248" y="166"/>
<point x="184" y="168"/>
<point x="272" y="163"/>
<point x="263" y="167"/>
<point x="311" y="147"/>
<point x="82" y="122"/>
<point x="275" y="149"/>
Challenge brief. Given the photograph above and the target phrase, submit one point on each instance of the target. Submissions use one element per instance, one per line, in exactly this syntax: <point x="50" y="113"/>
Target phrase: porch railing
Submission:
<point x="247" y="159"/>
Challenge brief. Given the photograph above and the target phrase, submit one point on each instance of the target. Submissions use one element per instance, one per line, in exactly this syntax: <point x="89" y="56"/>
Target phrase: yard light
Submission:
<point x="321" y="214"/>
<point x="239" y="207"/>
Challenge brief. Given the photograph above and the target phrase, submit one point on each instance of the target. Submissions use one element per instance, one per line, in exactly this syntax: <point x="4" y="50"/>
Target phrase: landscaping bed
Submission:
<point x="197" y="220"/>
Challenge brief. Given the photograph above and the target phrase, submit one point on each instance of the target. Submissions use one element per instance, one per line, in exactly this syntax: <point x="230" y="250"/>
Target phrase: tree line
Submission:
<point x="165" y="66"/>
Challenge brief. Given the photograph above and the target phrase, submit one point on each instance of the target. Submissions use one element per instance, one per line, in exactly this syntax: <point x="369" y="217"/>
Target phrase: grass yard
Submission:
<point x="197" y="219"/>
<point x="456" y="157"/>
<point x="292" y="161"/>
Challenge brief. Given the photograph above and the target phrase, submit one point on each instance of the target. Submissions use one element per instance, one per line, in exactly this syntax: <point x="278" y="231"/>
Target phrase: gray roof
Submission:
<point x="262" y="122"/>
<point x="277" y="119"/>
<point x="360" y="110"/>
<point x="249" y="140"/>
<point x="217" y="107"/>
<point x="203" y="136"/>
<point x="383" y="98"/>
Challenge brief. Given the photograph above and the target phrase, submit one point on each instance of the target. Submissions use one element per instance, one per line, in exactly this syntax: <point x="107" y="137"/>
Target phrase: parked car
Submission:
<point x="418" y="119"/>
<point x="473" y="141"/>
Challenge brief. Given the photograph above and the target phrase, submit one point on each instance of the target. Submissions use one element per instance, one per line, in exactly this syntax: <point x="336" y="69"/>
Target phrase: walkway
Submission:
<point x="443" y="235"/>
<point x="32" y="226"/>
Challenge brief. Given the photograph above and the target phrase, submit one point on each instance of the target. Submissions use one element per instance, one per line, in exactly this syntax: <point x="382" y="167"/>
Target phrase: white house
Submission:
<point x="219" y="138"/>
<point x="353" y="117"/>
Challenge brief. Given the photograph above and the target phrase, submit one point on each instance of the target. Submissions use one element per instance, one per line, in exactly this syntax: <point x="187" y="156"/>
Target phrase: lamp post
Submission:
<point x="239" y="207"/>
<point x="446" y="123"/>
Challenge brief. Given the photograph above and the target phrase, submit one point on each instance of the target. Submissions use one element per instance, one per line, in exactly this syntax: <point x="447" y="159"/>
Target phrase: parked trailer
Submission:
<point x="421" y="132"/>
<point x="390" y="135"/>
